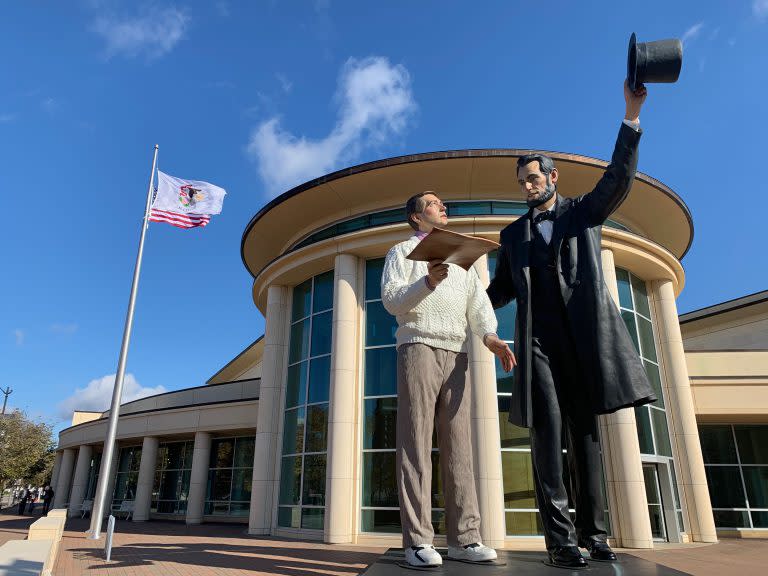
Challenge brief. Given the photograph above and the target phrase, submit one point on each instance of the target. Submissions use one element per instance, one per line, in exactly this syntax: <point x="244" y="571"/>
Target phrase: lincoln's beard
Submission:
<point x="549" y="191"/>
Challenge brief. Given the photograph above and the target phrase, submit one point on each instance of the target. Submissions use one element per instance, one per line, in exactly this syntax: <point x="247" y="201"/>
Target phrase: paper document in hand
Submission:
<point x="451" y="248"/>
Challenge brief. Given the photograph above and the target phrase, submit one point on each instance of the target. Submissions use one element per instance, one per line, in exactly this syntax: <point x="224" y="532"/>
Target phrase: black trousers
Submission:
<point x="561" y="410"/>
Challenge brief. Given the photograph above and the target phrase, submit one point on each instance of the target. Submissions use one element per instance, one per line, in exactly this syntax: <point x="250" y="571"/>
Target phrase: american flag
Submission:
<point x="179" y="220"/>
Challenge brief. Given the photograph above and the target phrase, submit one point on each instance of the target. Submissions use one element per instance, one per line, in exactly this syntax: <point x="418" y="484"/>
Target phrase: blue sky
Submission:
<point x="259" y="96"/>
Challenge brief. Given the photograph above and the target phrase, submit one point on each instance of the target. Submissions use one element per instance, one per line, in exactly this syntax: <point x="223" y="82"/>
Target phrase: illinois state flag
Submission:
<point x="185" y="203"/>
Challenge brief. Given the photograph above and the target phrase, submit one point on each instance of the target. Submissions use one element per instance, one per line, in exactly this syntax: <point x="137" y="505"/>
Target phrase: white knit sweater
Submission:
<point x="439" y="317"/>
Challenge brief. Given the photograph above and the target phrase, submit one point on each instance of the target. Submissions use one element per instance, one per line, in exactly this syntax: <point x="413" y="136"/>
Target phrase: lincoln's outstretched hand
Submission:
<point x="634" y="101"/>
<point x="501" y="350"/>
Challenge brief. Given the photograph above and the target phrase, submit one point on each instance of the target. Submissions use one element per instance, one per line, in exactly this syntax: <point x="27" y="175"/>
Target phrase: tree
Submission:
<point x="26" y="449"/>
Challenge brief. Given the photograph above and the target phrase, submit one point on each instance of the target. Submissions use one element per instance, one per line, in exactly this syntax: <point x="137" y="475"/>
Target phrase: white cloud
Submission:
<point x="760" y="9"/>
<point x="70" y="328"/>
<point x="7" y="118"/>
<point x="692" y="32"/>
<point x="285" y="84"/>
<point x="97" y="395"/>
<point x="375" y="103"/>
<point x="18" y="333"/>
<point x="153" y="33"/>
<point x="50" y="105"/>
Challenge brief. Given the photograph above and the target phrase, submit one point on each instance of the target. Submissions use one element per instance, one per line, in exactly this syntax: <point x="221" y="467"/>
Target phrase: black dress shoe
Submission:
<point x="599" y="550"/>
<point x="567" y="557"/>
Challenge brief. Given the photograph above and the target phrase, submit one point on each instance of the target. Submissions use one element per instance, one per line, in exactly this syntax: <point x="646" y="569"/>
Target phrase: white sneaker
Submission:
<point x="423" y="555"/>
<point x="472" y="553"/>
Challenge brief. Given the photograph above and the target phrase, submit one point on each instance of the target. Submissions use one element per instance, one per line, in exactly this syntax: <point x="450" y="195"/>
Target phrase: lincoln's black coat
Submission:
<point x="612" y="373"/>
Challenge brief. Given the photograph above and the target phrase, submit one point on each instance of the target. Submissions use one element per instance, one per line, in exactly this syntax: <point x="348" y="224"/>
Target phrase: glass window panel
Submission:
<point x="302" y="296"/>
<point x="170" y="485"/>
<point x="379" y="483"/>
<point x="519" y="489"/>
<point x="381" y="371"/>
<point x="438" y="521"/>
<point x="629" y="320"/>
<point x="641" y="296"/>
<point x="290" y="480"/>
<point x="319" y="379"/>
<point x="656" y="516"/>
<point x="717" y="445"/>
<point x="387" y="217"/>
<point x="511" y="436"/>
<point x="725" y="488"/>
<point x="322" y="298"/>
<point x="731" y="518"/>
<point x="753" y="444"/>
<point x="661" y="432"/>
<point x="504" y="380"/>
<point x="220" y="509"/>
<point x="508" y="208"/>
<point x="321" y="333"/>
<point x="289" y="517"/>
<point x="184" y="488"/>
<point x="625" y="290"/>
<point x="241" y="485"/>
<point x="644" y="434"/>
<point x="386" y="521"/>
<point x="312" y="518"/>
<point x="352" y="225"/>
<point x="380" y="423"/>
<point x="314" y="480"/>
<point x="756" y="479"/>
<point x="175" y="455"/>
<point x="317" y="428"/>
<point x="239" y="508"/>
<point x="653" y="375"/>
<point x="220" y="484"/>
<point x="296" y="385"/>
<point x="505" y="317"/>
<point x="468" y="208"/>
<point x="523" y="524"/>
<point x="162" y="457"/>
<point x="244" y="452"/>
<point x="293" y="431"/>
<point x="373" y="270"/>
<point x="647" y="345"/>
<point x="760" y="519"/>
<point x="380" y="325"/>
<point x="299" y="348"/>
<point x="222" y="453"/>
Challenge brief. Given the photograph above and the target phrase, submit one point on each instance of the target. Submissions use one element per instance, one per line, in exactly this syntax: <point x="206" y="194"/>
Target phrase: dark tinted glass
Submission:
<point x="753" y="444"/>
<point x="296" y="385"/>
<point x="317" y="428"/>
<point x="625" y="289"/>
<point x="717" y="445"/>
<point x="756" y="479"/>
<point x="523" y="524"/>
<point x="380" y="423"/>
<point x="379" y="483"/>
<point x="321" y="333"/>
<point x="641" y="297"/>
<point x="466" y="208"/>
<point x="381" y="371"/>
<point x="629" y="320"/>
<point x="725" y="487"/>
<point x="290" y="480"/>
<point x="661" y="431"/>
<point x="380" y="325"/>
<point x="511" y="436"/>
<point x="322" y="299"/>
<point x="289" y="517"/>
<point x="373" y="270"/>
<point x="302" y="296"/>
<point x="647" y="345"/>
<point x="387" y="521"/>
<point x="293" y="431"/>
<point x="731" y="518"/>
<point x="299" y="347"/>
<point x="519" y="490"/>
<point x="653" y="375"/>
<point x="244" y="452"/>
<point x="314" y="480"/>
<point x="319" y="379"/>
<point x="644" y="434"/>
<point x="312" y="518"/>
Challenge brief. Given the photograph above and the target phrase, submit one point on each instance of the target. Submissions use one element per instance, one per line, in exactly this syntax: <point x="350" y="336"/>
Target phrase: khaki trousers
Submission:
<point x="432" y="386"/>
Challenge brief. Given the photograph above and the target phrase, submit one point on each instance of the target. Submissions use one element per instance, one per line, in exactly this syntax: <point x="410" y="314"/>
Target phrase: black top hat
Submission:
<point x="653" y="62"/>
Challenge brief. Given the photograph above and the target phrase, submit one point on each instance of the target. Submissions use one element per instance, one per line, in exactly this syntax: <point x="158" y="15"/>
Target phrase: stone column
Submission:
<point x="198" y="478"/>
<point x="146" y="479"/>
<point x="486" y="439"/>
<point x="265" y="464"/>
<point x="80" y="481"/>
<point x="627" y="502"/>
<point x="61" y="497"/>
<point x="340" y="506"/>
<point x="684" y="431"/>
<point x="56" y="470"/>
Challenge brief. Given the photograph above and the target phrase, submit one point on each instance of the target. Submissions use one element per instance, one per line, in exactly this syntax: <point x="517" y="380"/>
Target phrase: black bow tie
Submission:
<point x="541" y="216"/>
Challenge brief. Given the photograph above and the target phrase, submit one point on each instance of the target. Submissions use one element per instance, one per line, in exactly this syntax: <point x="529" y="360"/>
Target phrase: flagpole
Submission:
<point x="114" y="410"/>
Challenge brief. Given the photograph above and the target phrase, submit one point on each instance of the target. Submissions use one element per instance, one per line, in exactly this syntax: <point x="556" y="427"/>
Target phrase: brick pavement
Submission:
<point x="172" y="548"/>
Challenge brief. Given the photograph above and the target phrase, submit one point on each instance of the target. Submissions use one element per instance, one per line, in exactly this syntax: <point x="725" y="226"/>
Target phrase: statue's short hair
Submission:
<point x="415" y="205"/>
<point x="546" y="164"/>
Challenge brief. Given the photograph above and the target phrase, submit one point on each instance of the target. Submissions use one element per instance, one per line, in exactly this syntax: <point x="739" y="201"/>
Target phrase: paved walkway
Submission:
<point x="172" y="548"/>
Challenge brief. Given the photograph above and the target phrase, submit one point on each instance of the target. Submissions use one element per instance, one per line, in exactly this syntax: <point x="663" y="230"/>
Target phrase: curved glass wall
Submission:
<point x="736" y="464"/>
<point x="455" y="208"/>
<point x="170" y="486"/>
<point x="652" y="428"/>
<point x="305" y="418"/>
<point x="127" y="475"/>
<point x="380" y="508"/>
<point x="230" y="472"/>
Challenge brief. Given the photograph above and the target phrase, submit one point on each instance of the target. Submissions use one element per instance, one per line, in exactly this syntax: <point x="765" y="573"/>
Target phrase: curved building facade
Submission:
<point x="296" y="435"/>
